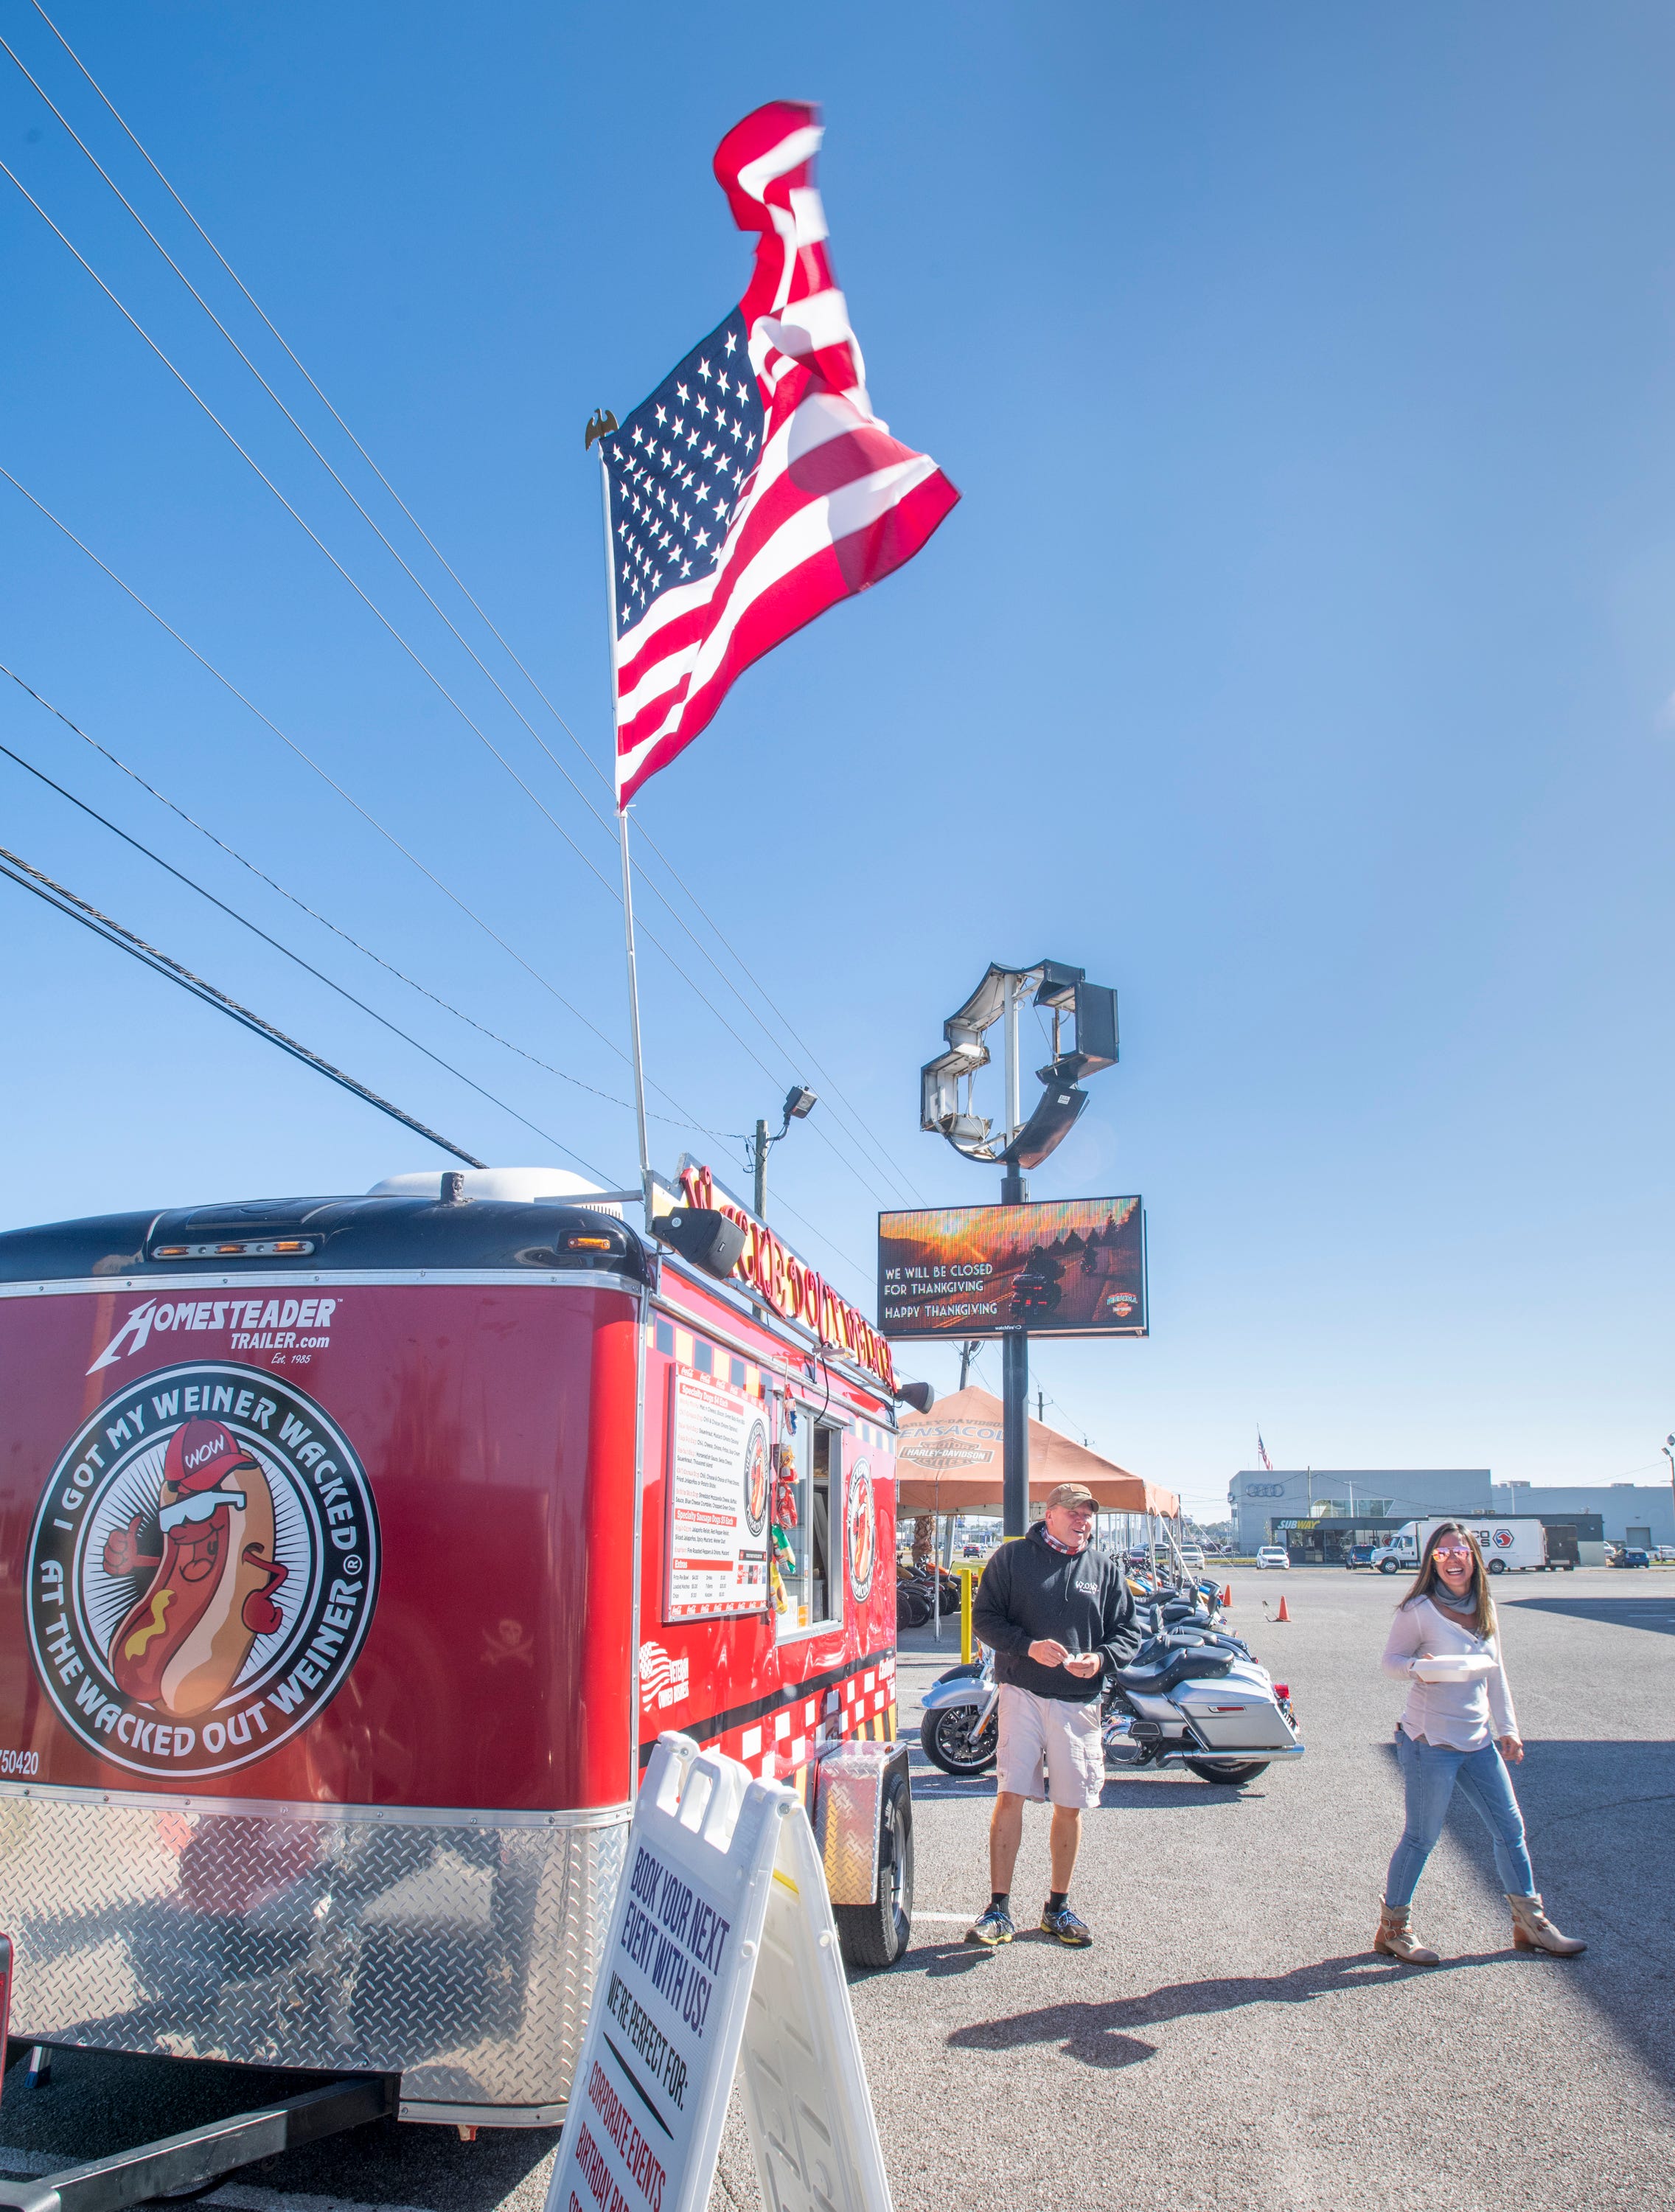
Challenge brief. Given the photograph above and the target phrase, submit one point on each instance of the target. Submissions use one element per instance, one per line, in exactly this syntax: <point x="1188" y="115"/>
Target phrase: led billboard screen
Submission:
<point x="1069" y="1267"/>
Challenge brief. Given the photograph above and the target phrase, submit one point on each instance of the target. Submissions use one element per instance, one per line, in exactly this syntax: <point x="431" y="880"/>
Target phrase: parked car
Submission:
<point x="1358" y="1555"/>
<point x="1664" y="1553"/>
<point x="1191" y="1556"/>
<point x="1631" y="1556"/>
<point x="1273" y="1555"/>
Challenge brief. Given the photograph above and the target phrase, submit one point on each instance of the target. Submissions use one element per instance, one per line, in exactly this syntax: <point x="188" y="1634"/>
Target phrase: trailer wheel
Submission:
<point x="1498" y="1566"/>
<point x="876" y="1934"/>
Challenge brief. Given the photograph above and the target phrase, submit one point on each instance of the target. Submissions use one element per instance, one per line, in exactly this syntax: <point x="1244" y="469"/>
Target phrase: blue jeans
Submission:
<point x="1430" y="1772"/>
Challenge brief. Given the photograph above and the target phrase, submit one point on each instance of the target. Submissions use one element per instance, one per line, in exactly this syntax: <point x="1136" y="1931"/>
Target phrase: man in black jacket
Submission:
<point x="1056" y="1615"/>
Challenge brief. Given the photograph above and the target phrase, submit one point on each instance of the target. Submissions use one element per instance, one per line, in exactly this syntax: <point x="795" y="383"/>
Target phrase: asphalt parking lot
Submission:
<point x="1230" y="2041"/>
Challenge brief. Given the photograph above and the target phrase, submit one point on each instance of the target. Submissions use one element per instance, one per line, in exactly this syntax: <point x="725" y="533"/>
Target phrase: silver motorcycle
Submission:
<point x="1194" y="1696"/>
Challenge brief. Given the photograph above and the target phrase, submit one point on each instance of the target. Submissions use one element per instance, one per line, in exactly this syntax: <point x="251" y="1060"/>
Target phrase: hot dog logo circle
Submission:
<point x="756" y="1473"/>
<point x="202" y="1570"/>
<point x="861" y="1530"/>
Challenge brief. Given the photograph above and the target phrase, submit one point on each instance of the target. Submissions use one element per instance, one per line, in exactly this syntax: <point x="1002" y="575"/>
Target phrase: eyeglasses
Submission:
<point x="202" y="1506"/>
<point x="1451" y="1551"/>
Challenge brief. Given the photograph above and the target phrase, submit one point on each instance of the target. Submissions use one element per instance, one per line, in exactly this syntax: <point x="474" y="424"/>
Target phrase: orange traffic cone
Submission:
<point x="1227" y="1597"/>
<point x="1284" y="1613"/>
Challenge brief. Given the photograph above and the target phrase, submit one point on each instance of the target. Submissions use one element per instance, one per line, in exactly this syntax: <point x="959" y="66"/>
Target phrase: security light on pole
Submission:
<point x="799" y="1104"/>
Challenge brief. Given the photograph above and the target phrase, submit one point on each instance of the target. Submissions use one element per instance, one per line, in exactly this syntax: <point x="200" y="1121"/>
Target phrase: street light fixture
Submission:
<point x="799" y="1104"/>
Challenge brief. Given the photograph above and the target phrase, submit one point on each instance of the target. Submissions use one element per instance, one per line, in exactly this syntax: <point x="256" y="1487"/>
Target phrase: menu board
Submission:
<point x="720" y="1476"/>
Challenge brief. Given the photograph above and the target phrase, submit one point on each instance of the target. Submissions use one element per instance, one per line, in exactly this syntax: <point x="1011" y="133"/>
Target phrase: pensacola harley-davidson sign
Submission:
<point x="202" y="1570"/>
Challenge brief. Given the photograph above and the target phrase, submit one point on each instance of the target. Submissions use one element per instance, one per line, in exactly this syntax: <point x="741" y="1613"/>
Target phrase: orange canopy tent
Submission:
<point x="949" y="1460"/>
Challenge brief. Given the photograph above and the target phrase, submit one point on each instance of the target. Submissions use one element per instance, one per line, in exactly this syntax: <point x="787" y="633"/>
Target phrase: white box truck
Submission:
<point x="1510" y="1544"/>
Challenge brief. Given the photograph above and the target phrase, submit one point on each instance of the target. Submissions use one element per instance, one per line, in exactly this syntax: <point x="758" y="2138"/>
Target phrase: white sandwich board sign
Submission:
<point x="722" y="1954"/>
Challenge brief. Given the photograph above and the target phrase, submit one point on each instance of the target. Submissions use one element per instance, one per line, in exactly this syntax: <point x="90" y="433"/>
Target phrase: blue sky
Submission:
<point x="1300" y="659"/>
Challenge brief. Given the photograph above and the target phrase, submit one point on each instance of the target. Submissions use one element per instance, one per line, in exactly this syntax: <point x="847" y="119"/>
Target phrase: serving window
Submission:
<point x="807" y="1507"/>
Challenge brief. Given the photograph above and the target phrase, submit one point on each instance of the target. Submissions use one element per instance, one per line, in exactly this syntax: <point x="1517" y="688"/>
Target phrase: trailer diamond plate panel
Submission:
<point x="460" y="1956"/>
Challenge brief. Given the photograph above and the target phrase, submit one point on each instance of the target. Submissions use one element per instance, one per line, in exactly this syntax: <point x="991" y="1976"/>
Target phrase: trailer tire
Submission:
<point x="876" y="1934"/>
<point x="1498" y="1566"/>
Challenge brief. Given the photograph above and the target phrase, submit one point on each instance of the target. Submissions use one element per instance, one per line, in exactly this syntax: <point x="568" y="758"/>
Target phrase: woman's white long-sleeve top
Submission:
<point x="1464" y="1716"/>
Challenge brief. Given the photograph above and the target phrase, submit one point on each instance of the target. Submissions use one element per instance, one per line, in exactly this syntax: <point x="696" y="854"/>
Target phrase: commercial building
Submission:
<point x="1629" y="1512"/>
<point x="1317" y="1511"/>
<point x="1373" y="1497"/>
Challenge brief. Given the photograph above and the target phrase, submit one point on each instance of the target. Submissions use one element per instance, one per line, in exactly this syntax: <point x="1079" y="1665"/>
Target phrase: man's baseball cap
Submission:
<point x="1071" y="1493"/>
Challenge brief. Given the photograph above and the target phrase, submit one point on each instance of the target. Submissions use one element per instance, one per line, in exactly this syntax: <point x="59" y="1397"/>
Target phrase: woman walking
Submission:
<point x="1458" y="1726"/>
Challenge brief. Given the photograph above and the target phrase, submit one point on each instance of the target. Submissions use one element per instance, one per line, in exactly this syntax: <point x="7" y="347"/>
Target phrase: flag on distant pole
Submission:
<point x="1262" y="1453"/>
<point x="755" y="487"/>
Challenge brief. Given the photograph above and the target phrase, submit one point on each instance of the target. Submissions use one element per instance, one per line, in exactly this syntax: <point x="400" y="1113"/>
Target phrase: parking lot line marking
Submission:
<point x="918" y="1915"/>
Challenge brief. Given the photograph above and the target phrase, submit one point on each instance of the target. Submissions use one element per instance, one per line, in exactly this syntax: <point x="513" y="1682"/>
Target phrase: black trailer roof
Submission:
<point x="313" y="1235"/>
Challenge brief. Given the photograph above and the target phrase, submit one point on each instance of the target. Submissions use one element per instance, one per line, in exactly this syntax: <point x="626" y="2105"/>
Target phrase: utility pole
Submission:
<point x="759" y="1160"/>
<point x="969" y="1352"/>
<point x="1041" y="1407"/>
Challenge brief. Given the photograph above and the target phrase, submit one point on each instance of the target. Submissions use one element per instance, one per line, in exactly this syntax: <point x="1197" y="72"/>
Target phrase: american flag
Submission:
<point x="1262" y="1453"/>
<point x="755" y="487"/>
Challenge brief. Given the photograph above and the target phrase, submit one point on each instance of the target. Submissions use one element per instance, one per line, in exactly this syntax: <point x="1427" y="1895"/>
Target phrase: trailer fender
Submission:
<point x="849" y="1795"/>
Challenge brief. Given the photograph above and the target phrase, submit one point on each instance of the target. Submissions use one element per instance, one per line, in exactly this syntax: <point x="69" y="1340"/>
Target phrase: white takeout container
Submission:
<point x="1454" y="1666"/>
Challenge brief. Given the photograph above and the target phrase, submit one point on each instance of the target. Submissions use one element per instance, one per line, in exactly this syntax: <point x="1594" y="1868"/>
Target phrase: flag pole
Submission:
<point x="600" y="427"/>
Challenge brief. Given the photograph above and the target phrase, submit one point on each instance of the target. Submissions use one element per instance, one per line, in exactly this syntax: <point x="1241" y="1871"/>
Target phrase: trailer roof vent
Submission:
<point x="517" y="1185"/>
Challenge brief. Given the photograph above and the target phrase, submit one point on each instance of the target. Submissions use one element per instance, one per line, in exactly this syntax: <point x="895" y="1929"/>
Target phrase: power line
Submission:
<point x="285" y="347"/>
<point x="261" y="476"/>
<point x="313" y="913"/>
<point x="686" y="1118"/>
<point x="307" y="966"/>
<point x="833" y="1091"/>
<point x="66" y="903"/>
<point x="348" y="495"/>
<point x="314" y="538"/>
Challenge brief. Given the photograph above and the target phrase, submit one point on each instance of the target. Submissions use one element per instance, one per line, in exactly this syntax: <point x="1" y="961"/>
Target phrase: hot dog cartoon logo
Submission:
<point x="861" y="1530"/>
<point x="203" y="1570"/>
<point x="756" y="1476"/>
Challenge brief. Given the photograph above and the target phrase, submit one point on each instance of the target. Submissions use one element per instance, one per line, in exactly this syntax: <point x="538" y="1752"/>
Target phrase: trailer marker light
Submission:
<point x="249" y="1248"/>
<point x="589" y="1244"/>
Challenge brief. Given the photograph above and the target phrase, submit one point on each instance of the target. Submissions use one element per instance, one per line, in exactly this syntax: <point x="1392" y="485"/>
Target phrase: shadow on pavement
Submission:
<point x="1598" y="1820"/>
<point x="1101" y="2034"/>
<point x="1656" y="1614"/>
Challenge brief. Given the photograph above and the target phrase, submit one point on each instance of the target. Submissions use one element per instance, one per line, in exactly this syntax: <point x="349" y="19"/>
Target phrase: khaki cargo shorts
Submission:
<point x="1050" y="1733"/>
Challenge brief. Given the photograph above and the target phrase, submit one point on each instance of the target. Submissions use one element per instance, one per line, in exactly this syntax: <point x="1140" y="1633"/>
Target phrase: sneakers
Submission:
<point x="1069" y="1927"/>
<point x="992" y="1926"/>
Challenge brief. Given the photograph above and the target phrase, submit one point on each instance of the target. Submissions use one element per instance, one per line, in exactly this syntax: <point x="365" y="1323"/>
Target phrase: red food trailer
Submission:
<point x="353" y="1553"/>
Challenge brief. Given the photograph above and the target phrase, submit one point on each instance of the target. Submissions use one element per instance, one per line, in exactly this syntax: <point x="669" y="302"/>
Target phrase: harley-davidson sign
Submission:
<point x="202" y="1570"/>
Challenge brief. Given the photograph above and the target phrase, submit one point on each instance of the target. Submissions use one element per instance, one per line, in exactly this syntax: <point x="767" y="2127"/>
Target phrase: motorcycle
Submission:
<point x="961" y="1729"/>
<point x="913" y="1599"/>
<point x="1192" y="1695"/>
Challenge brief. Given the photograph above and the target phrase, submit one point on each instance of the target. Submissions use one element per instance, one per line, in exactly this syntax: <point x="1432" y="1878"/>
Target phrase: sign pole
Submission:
<point x="1015" y="1402"/>
<point x="1015" y="1345"/>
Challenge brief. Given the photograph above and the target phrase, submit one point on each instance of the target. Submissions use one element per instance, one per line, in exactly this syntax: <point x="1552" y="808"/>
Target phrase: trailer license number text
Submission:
<point x="20" y="1762"/>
